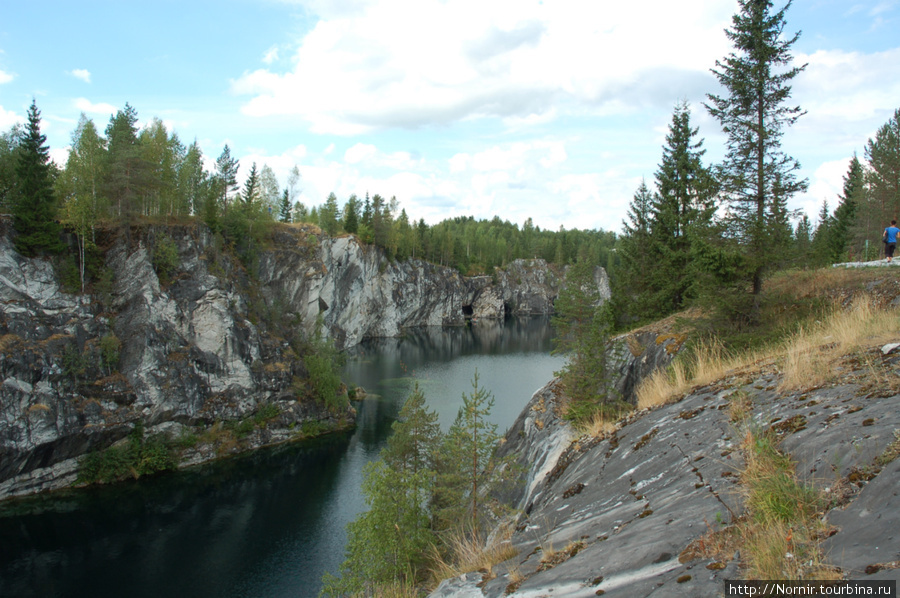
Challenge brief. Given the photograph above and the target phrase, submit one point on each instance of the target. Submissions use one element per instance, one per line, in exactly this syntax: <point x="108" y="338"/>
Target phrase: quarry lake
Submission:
<point x="271" y="523"/>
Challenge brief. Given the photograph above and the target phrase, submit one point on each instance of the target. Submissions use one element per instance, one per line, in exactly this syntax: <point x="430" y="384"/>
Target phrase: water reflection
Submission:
<point x="271" y="523"/>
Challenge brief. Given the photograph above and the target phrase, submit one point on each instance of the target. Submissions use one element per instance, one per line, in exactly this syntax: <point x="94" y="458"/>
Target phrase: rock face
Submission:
<point x="213" y="344"/>
<point x="359" y="293"/>
<point x="614" y="514"/>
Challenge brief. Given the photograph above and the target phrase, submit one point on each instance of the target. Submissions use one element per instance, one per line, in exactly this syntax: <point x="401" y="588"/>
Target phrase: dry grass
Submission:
<point x="718" y="545"/>
<point x="468" y="552"/>
<point x="891" y="452"/>
<point x="598" y="425"/>
<point x="706" y="364"/>
<point x="393" y="590"/>
<point x="807" y="359"/>
<point x="821" y="282"/>
<point x="810" y="355"/>
<point x="550" y="557"/>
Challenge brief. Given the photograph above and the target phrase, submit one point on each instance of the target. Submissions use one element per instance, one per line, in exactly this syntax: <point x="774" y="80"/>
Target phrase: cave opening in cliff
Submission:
<point x="468" y="312"/>
<point x="507" y="311"/>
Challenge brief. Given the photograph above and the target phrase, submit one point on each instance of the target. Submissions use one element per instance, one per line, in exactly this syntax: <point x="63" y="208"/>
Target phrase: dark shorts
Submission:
<point x="889" y="249"/>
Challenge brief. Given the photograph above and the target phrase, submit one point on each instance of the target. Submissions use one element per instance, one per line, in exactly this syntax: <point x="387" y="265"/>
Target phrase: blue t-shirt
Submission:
<point x="892" y="234"/>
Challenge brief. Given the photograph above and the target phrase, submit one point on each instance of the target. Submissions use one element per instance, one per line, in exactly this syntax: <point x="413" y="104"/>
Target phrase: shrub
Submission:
<point x="110" y="345"/>
<point x="165" y="258"/>
<point x="139" y="456"/>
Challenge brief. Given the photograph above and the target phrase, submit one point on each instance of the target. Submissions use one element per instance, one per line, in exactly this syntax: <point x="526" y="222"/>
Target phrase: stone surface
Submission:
<point x="617" y="512"/>
<point x="211" y="344"/>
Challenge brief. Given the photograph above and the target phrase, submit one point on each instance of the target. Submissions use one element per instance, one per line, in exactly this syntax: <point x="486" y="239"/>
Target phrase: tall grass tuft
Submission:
<point x="780" y="536"/>
<point x="807" y="359"/>
<point x="469" y="552"/>
<point x="810" y="355"/>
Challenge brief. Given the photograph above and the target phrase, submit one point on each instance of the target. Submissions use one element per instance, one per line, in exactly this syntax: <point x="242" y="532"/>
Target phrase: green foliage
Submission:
<point x="74" y="362"/>
<point x="323" y="362"/>
<point x="756" y="177"/>
<point x="137" y="457"/>
<point x="775" y="493"/>
<point x="658" y="275"/>
<point x="465" y="464"/>
<point x="34" y="212"/>
<point x="424" y="491"/>
<point x="391" y="540"/>
<point x="110" y="345"/>
<point x="165" y="258"/>
<point x="583" y="323"/>
<point x="68" y="273"/>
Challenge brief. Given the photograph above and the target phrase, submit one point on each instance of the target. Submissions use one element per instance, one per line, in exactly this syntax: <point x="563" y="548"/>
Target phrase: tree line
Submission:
<point x="713" y="232"/>
<point x="127" y="174"/>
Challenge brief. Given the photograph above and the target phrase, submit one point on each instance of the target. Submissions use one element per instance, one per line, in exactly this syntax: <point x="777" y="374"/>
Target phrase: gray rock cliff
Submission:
<point x="614" y="515"/>
<point x="212" y="345"/>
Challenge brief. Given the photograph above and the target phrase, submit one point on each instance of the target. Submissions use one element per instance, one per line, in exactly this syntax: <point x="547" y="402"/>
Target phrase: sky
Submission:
<point x="549" y="109"/>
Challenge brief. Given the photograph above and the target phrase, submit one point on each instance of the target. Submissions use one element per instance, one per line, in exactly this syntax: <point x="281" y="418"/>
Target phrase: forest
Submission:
<point x="684" y="234"/>
<point x="127" y="175"/>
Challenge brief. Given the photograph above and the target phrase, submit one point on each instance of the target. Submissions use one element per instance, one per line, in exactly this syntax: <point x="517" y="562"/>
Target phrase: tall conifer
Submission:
<point x="34" y="214"/>
<point x="753" y="114"/>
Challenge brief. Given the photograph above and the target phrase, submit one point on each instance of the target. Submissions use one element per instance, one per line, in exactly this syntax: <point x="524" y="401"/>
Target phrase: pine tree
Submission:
<point x="34" y="214"/>
<point x="753" y="115"/>
<point x="124" y="167"/>
<point x="845" y="213"/>
<point x="390" y="541"/>
<point x="284" y="208"/>
<point x="681" y="210"/>
<point x="464" y="463"/>
<point x="226" y="173"/>
<point x="582" y="325"/>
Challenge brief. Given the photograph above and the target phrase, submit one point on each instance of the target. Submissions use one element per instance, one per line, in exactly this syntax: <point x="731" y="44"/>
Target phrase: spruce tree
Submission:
<point x="284" y="208"/>
<point x="125" y="167"/>
<point x="582" y="324"/>
<point x="883" y="177"/>
<point x="753" y="114"/>
<point x="34" y="213"/>
<point x="845" y="213"/>
<point x="681" y="210"/>
<point x="251" y="193"/>
<point x="226" y="173"/>
<point x="351" y="215"/>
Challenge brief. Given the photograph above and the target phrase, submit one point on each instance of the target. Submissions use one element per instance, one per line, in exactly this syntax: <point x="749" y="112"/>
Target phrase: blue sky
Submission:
<point x="552" y="109"/>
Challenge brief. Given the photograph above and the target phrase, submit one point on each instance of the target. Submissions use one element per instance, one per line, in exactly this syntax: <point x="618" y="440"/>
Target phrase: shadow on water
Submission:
<point x="270" y="523"/>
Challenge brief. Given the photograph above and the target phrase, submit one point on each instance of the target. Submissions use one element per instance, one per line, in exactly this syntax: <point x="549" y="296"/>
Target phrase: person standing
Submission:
<point x="890" y="240"/>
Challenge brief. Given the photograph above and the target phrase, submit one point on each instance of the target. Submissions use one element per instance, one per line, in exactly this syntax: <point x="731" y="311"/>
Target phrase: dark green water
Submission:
<point x="268" y="524"/>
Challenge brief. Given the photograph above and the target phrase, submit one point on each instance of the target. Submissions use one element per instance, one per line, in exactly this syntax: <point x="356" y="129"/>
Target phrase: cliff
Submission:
<point x="213" y="357"/>
<point x="639" y="511"/>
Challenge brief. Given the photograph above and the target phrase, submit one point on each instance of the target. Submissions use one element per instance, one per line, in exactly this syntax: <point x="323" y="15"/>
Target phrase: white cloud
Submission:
<point x="82" y="74"/>
<point x="5" y="77"/>
<point x="8" y="119"/>
<point x="362" y="67"/>
<point x="101" y="109"/>
<point x="825" y="184"/>
<point x="271" y="55"/>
